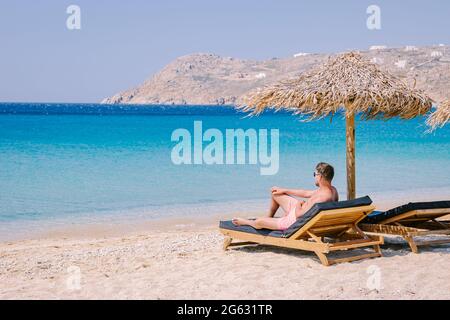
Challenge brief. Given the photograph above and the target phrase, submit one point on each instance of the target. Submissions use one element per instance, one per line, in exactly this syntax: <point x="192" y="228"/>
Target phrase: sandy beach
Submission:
<point x="139" y="145"/>
<point x="183" y="259"/>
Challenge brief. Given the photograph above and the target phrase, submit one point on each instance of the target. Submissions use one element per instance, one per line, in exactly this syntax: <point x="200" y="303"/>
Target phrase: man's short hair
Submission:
<point x="326" y="170"/>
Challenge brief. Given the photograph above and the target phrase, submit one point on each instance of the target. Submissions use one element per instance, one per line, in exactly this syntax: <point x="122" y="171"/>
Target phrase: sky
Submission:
<point x="122" y="43"/>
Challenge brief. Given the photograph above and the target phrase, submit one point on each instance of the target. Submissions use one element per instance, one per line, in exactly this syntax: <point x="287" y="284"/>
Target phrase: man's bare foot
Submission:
<point x="239" y="221"/>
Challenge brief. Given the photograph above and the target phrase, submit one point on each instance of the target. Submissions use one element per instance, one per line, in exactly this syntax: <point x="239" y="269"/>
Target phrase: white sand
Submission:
<point x="190" y="264"/>
<point x="183" y="259"/>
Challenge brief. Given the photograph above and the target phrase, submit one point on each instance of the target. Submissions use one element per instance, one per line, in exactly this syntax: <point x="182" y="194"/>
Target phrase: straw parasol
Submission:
<point x="348" y="83"/>
<point x="439" y="117"/>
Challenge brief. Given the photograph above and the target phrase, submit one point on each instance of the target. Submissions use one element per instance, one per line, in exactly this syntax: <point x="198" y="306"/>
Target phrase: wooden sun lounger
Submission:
<point x="339" y="225"/>
<point x="413" y="223"/>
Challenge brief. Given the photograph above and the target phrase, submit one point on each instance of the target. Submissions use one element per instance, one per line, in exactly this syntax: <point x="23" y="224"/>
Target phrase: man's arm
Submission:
<point x="293" y="192"/>
<point x="300" y="193"/>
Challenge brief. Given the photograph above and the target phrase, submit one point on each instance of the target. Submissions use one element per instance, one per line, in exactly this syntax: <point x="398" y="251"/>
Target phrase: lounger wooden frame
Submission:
<point x="414" y="223"/>
<point x="340" y="225"/>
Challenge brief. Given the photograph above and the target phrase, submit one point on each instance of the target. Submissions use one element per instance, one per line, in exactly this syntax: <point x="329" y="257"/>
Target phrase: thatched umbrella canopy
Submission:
<point x="349" y="83"/>
<point x="440" y="117"/>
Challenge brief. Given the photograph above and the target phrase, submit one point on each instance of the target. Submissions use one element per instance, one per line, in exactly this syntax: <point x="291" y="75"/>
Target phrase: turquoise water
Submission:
<point x="117" y="164"/>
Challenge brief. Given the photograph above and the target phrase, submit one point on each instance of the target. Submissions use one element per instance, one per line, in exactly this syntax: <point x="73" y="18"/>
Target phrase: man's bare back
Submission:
<point x="325" y="194"/>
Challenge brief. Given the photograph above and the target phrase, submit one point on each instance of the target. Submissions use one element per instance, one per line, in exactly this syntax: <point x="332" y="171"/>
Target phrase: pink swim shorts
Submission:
<point x="289" y="218"/>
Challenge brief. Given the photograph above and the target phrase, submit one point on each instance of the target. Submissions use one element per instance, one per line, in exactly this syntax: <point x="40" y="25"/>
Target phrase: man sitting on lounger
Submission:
<point x="292" y="207"/>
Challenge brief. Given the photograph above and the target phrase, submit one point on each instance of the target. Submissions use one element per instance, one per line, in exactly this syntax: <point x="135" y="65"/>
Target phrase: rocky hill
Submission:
<point x="205" y="79"/>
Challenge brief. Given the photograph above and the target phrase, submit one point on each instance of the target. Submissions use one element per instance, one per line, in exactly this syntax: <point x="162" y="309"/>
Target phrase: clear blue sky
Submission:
<point x="121" y="43"/>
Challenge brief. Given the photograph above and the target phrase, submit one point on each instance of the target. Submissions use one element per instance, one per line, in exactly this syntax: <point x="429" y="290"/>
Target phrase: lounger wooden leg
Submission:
<point x="377" y="249"/>
<point x="227" y="242"/>
<point x="411" y="243"/>
<point x="323" y="258"/>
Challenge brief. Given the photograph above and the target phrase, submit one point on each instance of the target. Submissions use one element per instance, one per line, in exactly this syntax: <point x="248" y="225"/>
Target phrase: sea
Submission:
<point x="66" y="164"/>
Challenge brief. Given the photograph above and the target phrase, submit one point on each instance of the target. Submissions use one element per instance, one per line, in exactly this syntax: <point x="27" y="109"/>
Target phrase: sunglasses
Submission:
<point x="316" y="174"/>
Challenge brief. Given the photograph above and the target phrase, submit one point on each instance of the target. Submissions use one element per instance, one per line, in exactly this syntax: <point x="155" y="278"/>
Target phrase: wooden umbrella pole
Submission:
<point x="350" y="139"/>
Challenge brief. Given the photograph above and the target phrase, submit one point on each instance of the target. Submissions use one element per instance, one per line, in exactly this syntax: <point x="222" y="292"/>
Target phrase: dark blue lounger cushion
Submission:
<point x="311" y="213"/>
<point x="379" y="216"/>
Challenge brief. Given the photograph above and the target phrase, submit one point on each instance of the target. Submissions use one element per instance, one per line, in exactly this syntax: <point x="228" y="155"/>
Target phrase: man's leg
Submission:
<point x="269" y="222"/>
<point x="260" y="223"/>
<point x="281" y="200"/>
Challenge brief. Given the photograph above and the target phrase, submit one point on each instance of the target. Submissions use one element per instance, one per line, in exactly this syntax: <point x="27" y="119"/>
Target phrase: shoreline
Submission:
<point x="198" y="216"/>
